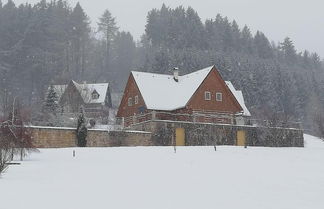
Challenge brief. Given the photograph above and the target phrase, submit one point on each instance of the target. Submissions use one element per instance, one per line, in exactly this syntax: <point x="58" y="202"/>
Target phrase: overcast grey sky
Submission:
<point x="301" y="20"/>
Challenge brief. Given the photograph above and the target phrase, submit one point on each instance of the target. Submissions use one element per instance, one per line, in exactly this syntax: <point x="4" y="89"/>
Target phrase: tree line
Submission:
<point x="51" y="42"/>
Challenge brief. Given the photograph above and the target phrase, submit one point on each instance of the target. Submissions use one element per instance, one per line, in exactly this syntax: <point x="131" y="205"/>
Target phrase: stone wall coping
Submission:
<point x="51" y="127"/>
<point x="126" y="131"/>
<point x="103" y="130"/>
<point x="215" y="124"/>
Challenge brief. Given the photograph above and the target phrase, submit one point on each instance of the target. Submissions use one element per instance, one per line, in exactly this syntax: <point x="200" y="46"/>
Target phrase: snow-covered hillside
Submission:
<point x="156" y="177"/>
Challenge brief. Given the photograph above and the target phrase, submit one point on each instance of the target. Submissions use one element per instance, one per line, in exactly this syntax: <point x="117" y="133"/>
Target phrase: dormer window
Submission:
<point x="95" y="95"/>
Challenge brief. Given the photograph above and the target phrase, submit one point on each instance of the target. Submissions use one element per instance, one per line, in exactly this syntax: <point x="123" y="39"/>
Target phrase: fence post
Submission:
<point x="153" y="115"/>
<point x="134" y="118"/>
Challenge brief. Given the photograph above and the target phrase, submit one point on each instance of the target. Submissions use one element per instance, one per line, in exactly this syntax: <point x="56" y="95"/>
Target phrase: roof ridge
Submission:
<point x="203" y="69"/>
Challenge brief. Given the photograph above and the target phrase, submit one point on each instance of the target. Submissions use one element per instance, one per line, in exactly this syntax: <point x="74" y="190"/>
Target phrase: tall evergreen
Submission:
<point x="80" y="35"/>
<point x="107" y="26"/>
<point x="288" y="49"/>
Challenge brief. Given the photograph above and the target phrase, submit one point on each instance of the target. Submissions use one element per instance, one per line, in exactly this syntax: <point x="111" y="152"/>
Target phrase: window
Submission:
<point x="207" y="95"/>
<point x="130" y="101"/>
<point x="219" y="97"/>
<point x="136" y="99"/>
<point x="95" y="95"/>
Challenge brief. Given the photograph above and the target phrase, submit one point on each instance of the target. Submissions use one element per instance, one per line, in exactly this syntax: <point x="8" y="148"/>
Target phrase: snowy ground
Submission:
<point x="156" y="177"/>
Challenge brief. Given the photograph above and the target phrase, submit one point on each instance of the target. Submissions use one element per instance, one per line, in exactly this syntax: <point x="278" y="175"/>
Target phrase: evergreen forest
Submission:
<point x="52" y="42"/>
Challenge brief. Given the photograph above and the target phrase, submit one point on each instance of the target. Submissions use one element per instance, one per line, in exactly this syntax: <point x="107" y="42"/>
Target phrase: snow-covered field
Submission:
<point x="156" y="177"/>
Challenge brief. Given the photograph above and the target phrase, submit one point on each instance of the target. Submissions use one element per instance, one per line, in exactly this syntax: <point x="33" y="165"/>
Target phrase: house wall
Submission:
<point x="131" y="90"/>
<point x="214" y="83"/>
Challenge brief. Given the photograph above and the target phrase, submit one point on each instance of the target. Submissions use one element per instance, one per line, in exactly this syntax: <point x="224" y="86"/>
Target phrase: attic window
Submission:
<point x="219" y="97"/>
<point x="136" y="99"/>
<point x="95" y="95"/>
<point x="130" y="101"/>
<point x="207" y="95"/>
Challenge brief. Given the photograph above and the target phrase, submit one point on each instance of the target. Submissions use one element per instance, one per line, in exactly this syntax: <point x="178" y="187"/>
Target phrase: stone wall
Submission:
<point x="47" y="137"/>
<point x="200" y="134"/>
<point x="100" y="138"/>
<point x="162" y="133"/>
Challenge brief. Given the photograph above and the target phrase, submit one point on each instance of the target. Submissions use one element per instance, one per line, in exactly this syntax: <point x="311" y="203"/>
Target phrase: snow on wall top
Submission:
<point x="162" y="92"/>
<point x="86" y="91"/>
<point x="239" y="97"/>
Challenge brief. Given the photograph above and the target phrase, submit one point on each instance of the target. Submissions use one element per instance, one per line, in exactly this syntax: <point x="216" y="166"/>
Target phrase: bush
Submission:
<point x="81" y="131"/>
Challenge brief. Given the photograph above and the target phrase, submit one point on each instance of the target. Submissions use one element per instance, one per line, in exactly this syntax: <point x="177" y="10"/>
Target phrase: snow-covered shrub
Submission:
<point x="81" y="131"/>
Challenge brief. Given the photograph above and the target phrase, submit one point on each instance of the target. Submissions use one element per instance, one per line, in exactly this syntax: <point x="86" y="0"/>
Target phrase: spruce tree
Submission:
<point x="51" y="101"/>
<point x="288" y="49"/>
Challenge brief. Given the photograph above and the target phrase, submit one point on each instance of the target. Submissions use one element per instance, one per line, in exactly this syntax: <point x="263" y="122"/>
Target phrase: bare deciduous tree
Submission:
<point x="15" y="139"/>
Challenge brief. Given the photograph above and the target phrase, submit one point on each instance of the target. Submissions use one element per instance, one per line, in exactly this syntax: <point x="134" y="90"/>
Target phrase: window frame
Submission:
<point x="136" y="99"/>
<point x="221" y="96"/>
<point x="130" y="101"/>
<point x="206" y="97"/>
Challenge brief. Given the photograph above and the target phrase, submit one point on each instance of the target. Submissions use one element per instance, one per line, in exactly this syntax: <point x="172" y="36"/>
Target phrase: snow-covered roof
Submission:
<point x="86" y="91"/>
<point x="161" y="92"/>
<point x="239" y="97"/>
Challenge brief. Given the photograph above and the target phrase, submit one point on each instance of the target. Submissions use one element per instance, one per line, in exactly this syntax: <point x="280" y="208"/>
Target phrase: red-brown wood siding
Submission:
<point x="131" y="90"/>
<point x="214" y="83"/>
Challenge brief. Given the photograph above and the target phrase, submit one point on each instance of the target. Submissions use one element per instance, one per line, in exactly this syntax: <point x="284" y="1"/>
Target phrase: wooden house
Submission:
<point x="201" y="96"/>
<point x="95" y="99"/>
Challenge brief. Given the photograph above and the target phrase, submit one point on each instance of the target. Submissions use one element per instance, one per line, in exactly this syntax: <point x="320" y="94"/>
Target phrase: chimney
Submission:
<point x="84" y="86"/>
<point x="176" y="74"/>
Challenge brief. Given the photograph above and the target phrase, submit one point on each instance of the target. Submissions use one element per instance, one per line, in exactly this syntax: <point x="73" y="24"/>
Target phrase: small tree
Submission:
<point x="51" y="102"/>
<point x="81" y="131"/>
